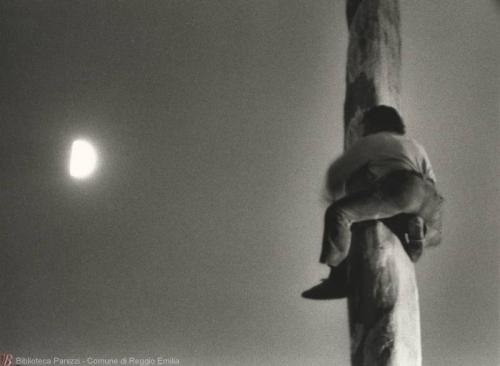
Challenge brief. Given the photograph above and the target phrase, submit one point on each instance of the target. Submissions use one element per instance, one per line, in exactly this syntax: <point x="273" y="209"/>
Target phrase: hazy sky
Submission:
<point x="215" y="122"/>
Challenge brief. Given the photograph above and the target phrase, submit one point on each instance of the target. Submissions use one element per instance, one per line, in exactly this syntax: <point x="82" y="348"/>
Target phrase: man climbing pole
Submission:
<point x="382" y="301"/>
<point x="397" y="186"/>
<point x="378" y="276"/>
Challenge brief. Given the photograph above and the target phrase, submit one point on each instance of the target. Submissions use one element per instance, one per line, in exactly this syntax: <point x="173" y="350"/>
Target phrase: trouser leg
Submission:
<point x="395" y="194"/>
<point x="431" y="212"/>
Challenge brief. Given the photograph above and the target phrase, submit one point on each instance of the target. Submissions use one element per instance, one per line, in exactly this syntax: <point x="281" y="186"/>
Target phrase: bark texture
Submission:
<point x="384" y="315"/>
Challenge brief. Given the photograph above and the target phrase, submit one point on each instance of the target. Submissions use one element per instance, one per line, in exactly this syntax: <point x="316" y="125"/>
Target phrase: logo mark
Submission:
<point x="5" y="359"/>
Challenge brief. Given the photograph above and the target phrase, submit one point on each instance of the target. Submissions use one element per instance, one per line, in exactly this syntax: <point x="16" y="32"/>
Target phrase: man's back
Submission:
<point x="385" y="152"/>
<point x="380" y="153"/>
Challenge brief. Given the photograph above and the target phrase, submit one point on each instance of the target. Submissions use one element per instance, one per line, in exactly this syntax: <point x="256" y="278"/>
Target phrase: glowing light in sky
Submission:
<point x="83" y="159"/>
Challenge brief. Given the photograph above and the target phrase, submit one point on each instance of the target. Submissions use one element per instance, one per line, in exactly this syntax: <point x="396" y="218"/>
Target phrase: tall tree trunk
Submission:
<point x="384" y="315"/>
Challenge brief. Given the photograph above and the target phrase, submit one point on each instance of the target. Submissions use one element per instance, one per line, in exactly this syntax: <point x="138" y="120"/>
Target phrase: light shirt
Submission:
<point x="382" y="152"/>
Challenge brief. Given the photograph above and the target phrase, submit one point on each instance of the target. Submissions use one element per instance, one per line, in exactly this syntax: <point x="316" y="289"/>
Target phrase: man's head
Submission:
<point x="382" y="119"/>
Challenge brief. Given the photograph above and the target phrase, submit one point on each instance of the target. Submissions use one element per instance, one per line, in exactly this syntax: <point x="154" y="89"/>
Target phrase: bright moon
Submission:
<point x="83" y="159"/>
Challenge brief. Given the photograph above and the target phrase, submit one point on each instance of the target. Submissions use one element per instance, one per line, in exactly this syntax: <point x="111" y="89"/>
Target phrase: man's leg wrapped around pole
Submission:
<point x="400" y="192"/>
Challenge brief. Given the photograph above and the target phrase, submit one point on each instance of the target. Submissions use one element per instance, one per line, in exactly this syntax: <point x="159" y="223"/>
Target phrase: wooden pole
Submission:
<point x="384" y="315"/>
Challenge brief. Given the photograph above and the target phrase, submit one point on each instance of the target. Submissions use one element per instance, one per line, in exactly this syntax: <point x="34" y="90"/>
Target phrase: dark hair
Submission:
<point x="382" y="118"/>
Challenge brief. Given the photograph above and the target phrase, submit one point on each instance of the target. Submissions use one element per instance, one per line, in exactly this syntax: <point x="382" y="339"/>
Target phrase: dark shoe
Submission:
<point x="414" y="249"/>
<point x="333" y="287"/>
<point x="326" y="290"/>
<point x="416" y="228"/>
<point x="416" y="233"/>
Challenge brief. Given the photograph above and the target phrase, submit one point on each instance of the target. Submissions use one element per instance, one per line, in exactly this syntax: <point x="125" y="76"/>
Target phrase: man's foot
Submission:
<point x="326" y="290"/>
<point x="414" y="249"/>
<point x="333" y="287"/>
<point x="416" y="234"/>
